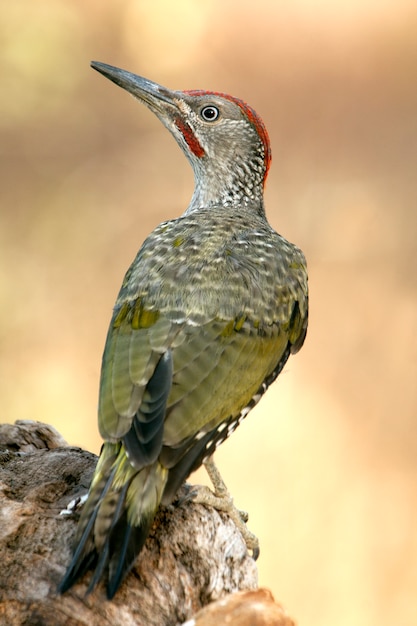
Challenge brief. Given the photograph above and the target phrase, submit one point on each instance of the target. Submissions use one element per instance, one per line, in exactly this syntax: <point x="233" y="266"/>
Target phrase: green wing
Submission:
<point x="166" y="385"/>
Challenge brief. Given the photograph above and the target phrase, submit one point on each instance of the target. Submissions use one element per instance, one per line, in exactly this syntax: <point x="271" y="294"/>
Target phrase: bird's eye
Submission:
<point x="209" y="113"/>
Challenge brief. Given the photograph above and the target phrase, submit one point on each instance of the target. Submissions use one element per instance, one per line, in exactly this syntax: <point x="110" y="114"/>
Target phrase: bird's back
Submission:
<point x="218" y="263"/>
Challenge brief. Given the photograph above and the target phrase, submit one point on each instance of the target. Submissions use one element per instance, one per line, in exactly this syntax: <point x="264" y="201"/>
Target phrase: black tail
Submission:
<point x="85" y="554"/>
<point x="106" y="541"/>
<point x="125" y="544"/>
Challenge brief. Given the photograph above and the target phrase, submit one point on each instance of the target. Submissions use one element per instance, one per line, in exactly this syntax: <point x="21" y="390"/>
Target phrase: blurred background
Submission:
<point x="327" y="463"/>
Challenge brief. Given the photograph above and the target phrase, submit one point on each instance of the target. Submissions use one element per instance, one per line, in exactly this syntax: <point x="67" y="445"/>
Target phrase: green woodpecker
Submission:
<point x="207" y="316"/>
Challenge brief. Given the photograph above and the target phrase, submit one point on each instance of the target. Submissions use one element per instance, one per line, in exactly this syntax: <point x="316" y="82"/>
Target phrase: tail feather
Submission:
<point x="84" y="557"/>
<point x="115" y="521"/>
<point x="76" y="570"/>
<point x="85" y="554"/>
<point x="126" y="545"/>
<point x="103" y="558"/>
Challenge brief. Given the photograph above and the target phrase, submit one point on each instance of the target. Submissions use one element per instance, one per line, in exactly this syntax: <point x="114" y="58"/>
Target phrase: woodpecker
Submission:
<point x="208" y="313"/>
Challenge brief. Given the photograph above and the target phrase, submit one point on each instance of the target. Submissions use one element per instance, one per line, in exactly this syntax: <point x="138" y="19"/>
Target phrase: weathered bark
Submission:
<point x="193" y="555"/>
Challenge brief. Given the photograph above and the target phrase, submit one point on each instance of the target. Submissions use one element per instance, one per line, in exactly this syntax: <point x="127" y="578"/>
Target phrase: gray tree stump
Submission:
<point x="193" y="556"/>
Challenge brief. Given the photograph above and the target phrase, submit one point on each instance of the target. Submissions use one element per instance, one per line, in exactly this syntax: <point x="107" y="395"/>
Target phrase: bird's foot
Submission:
<point x="222" y="501"/>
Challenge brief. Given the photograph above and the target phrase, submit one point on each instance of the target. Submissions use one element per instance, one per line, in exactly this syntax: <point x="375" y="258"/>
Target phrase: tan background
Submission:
<point x="327" y="464"/>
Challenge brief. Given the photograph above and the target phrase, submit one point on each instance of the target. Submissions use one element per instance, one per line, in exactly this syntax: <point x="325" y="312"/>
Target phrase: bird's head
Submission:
<point x="224" y="139"/>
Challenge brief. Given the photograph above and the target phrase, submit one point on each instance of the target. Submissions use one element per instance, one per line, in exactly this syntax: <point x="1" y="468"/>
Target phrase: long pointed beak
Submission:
<point x="163" y="102"/>
<point x="155" y="96"/>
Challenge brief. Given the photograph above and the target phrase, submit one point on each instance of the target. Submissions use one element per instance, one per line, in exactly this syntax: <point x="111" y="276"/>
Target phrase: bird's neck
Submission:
<point x="233" y="187"/>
